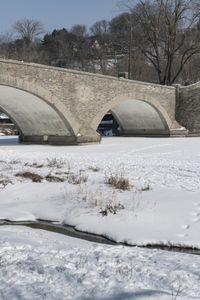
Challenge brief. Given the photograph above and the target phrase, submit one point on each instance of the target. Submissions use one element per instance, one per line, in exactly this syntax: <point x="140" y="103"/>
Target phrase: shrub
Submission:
<point x="52" y="178"/>
<point x="29" y="175"/>
<point x="94" y="168"/>
<point x="118" y="182"/>
<point x="146" y="188"/>
<point x="55" y="163"/>
<point x="4" y="182"/>
<point x="104" y="200"/>
<point x="109" y="208"/>
<point x="77" y="178"/>
<point x="34" y="165"/>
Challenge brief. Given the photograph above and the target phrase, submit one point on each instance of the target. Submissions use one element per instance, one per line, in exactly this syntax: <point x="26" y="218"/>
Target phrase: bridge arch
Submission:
<point x="136" y="116"/>
<point x="29" y="78"/>
<point x="36" y="120"/>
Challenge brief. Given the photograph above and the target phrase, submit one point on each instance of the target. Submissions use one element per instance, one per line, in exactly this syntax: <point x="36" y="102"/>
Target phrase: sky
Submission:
<point x="57" y="14"/>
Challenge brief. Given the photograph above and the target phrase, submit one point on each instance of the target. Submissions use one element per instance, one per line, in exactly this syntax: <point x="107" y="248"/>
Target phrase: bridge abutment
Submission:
<point x="188" y="107"/>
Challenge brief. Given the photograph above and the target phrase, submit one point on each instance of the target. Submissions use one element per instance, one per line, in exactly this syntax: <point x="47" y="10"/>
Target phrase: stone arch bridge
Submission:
<point x="59" y="106"/>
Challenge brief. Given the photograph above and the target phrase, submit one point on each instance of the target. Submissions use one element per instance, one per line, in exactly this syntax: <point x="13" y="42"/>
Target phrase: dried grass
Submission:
<point x="77" y="178"/>
<point x="30" y="175"/>
<point x="118" y="182"/>
<point x="4" y="182"/>
<point x="52" y="178"/>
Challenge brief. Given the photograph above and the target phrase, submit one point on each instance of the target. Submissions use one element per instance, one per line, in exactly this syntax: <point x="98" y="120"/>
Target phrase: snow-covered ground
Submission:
<point x="39" y="265"/>
<point x="162" y="205"/>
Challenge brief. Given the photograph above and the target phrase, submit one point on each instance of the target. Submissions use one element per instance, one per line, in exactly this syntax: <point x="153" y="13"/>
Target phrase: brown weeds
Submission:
<point x="30" y="175"/>
<point x="118" y="182"/>
<point x="52" y="178"/>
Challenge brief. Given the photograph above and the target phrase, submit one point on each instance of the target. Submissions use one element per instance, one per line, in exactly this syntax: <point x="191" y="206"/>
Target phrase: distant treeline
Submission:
<point x="153" y="40"/>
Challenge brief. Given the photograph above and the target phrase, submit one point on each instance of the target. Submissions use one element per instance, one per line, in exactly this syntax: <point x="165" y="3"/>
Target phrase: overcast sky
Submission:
<point x="56" y="14"/>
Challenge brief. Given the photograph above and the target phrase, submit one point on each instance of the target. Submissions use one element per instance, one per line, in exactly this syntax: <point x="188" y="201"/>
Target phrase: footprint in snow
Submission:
<point x="196" y="214"/>
<point x="181" y="235"/>
<point x="185" y="226"/>
<point x="195" y="220"/>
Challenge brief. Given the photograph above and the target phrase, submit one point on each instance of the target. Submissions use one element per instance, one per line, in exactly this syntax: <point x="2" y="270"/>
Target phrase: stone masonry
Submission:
<point x="188" y="107"/>
<point x="79" y="99"/>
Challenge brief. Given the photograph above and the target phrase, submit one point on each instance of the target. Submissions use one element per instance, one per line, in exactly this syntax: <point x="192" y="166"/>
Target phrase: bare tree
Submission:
<point x="5" y="40"/>
<point x="168" y="33"/>
<point x="101" y="44"/>
<point x="28" y="30"/>
<point x="80" y="46"/>
<point x="79" y="30"/>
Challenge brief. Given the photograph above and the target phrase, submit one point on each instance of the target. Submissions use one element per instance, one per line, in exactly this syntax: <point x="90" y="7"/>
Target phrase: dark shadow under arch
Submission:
<point x="108" y="125"/>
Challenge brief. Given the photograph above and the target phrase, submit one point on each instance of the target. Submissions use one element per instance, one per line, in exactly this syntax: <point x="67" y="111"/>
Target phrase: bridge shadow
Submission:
<point x="9" y="140"/>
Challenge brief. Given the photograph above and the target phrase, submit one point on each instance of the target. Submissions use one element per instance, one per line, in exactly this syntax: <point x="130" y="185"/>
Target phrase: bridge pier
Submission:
<point x="48" y="139"/>
<point x="145" y="133"/>
<point x="88" y="139"/>
<point x="59" y="140"/>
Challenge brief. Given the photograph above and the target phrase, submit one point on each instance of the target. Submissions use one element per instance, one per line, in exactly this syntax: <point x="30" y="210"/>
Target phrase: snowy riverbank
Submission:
<point x="162" y="204"/>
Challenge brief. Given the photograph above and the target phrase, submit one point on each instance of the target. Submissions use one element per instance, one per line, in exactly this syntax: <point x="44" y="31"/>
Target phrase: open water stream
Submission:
<point x="71" y="231"/>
